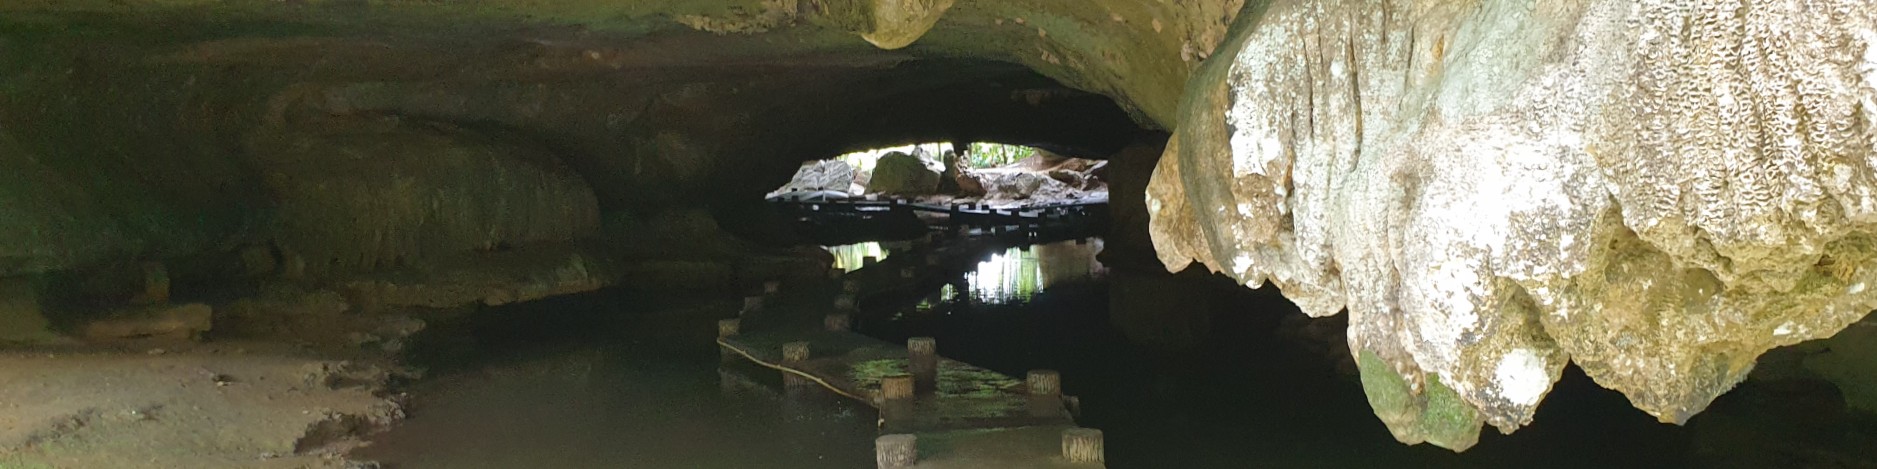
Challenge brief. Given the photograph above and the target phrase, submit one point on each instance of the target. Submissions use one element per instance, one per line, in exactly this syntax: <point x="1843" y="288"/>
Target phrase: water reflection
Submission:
<point x="851" y="257"/>
<point x="1019" y="273"/>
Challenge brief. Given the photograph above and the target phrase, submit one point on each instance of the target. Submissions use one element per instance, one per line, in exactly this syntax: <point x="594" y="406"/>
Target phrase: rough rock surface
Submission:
<point x="1657" y="191"/>
<point x="1024" y="185"/>
<point x="824" y="175"/>
<point x="205" y="407"/>
<point x="902" y="174"/>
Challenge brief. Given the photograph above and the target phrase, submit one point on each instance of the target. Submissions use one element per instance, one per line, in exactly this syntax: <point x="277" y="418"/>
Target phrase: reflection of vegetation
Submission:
<point x="945" y="295"/>
<point x="863" y="161"/>
<point x="868" y="373"/>
<point x="988" y="155"/>
<point x="1018" y="274"/>
<point x="849" y="257"/>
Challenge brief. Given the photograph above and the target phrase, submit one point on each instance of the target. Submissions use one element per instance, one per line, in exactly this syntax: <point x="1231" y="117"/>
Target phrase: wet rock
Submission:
<point x="495" y="278"/>
<point x="1521" y="199"/>
<point x="285" y="310"/>
<point x="902" y="174"/>
<point x="1024" y="185"/>
<point x="166" y="322"/>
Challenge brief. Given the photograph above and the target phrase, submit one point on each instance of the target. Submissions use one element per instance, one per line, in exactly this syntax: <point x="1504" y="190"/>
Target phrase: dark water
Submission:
<point x="1179" y="371"/>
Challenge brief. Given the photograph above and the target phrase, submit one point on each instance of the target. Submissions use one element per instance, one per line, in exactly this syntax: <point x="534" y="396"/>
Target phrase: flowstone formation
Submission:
<point x="1658" y="191"/>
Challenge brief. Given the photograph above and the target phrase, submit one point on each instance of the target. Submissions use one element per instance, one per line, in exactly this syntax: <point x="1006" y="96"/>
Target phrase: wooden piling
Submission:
<point x="922" y="360"/>
<point x="897" y="387"/>
<point x="1044" y="383"/>
<point x="907" y="272"/>
<point x="850" y="286"/>
<point x="772" y="287"/>
<point x="752" y="304"/>
<point x="727" y="328"/>
<point x="837" y="323"/>
<point x="896" y="451"/>
<point x="1082" y="445"/>
<point x="155" y="283"/>
<point x="844" y="302"/>
<point x="795" y="352"/>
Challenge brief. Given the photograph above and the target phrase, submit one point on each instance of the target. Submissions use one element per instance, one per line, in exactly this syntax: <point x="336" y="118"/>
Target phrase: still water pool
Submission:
<point x="1181" y="371"/>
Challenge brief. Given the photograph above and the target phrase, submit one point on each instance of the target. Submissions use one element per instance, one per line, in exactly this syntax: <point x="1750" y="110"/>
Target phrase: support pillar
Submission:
<point x="728" y="328"/>
<point x="1044" y="383"/>
<point x="896" y="451"/>
<point x="1082" y="445"/>
<point x="922" y="355"/>
<point x="794" y="353"/>
<point x="837" y="323"/>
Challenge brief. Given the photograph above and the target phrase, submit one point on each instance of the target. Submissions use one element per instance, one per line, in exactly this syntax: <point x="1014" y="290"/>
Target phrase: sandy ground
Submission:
<point x="194" y="406"/>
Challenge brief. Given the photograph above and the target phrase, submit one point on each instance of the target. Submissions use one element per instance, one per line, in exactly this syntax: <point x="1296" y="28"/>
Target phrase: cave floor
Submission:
<point x="222" y="405"/>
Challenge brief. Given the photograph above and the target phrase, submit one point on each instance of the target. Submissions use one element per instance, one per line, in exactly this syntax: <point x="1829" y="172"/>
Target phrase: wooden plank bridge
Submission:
<point x="934" y="412"/>
<point x="953" y="213"/>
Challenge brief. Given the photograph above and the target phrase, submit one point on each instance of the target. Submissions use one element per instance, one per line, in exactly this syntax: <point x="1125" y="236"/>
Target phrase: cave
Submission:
<point x="582" y="233"/>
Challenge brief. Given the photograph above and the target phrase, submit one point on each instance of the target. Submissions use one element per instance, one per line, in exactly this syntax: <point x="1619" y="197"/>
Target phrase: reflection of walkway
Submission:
<point x="959" y="415"/>
<point x="1019" y="273"/>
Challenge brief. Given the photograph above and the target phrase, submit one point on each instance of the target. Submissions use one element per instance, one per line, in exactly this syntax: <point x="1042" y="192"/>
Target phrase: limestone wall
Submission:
<point x="1657" y="191"/>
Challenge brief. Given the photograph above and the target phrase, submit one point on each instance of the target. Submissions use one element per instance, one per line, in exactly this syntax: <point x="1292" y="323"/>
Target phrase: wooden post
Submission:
<point x="155" y="283"/>
<point x="922" y="354"/>
<point x="896" y="451"/>
<point x="1082" y="445"/>
<point x="836" y="323"/>
<point x="850" y="286"/>
<point x="772" y="287"/>
<point x="896" y="387"/>
<point x="727" y="328"/>
<point x="844" y="302"/>
<point x="752" y="304"/>
<point x="906" y="272"/>
<point x="1044" y="383"/>
<point x="932" y="259"/>
<point x="794" y="352"/>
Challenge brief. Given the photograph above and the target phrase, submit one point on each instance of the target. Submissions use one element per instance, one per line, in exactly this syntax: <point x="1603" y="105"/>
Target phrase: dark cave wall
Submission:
<point x="347" y="151"/>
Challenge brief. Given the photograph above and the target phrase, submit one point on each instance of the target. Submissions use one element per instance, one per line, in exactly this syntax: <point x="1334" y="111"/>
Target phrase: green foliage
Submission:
<point x="990" y="155"/>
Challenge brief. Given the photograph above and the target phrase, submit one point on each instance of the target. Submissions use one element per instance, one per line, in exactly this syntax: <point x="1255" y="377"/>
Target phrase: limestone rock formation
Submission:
<point x="816" y="176"/>
<point x="1657" y="191"/>
<point x="902" y="174"/>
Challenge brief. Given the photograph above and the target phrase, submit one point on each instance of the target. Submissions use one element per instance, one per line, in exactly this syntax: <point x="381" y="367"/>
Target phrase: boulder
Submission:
<point x="900" y="173"/>
<point x="816" y="176"/>
<point x="1024" y="185"/>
